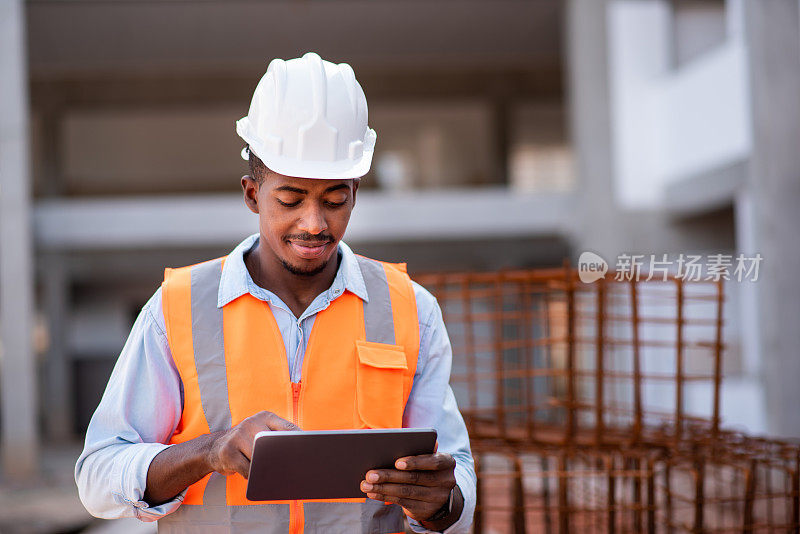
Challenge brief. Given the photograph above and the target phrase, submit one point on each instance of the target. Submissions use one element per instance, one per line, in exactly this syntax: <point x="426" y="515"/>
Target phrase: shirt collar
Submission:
<point x="236" y="279"/>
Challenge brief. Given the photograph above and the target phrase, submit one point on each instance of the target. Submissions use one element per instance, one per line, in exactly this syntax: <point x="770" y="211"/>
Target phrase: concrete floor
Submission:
<point x="121" y="526"/>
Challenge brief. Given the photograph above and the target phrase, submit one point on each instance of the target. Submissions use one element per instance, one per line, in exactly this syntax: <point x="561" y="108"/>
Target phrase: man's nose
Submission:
<point x="312" y="221"/>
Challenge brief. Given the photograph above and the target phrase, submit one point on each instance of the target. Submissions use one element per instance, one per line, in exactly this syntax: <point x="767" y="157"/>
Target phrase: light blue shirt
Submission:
<point x="142" y="404"/>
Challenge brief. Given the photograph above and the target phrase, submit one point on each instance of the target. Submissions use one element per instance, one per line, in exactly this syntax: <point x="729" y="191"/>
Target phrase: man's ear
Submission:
<point x="250" y="190"/>
<point x="356" y="181"/>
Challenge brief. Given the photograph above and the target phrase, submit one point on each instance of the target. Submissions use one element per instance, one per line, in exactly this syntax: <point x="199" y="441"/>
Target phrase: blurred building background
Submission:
<point x="511" y="133"/>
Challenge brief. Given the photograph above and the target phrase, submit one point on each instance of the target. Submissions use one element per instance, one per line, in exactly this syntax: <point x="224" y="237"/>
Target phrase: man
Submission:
<point x="290" y="330"/>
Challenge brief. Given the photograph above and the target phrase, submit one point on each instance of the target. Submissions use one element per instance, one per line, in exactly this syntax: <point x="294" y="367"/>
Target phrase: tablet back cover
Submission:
<point x="327" y="464"/>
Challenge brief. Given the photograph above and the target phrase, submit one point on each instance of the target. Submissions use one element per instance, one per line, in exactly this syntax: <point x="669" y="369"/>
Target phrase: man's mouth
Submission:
<point x="309" y="249"/>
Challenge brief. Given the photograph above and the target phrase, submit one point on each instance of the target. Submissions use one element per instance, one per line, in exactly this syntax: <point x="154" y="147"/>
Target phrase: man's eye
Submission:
<point x="288" y="204"/>
<point x="335" y="204"/>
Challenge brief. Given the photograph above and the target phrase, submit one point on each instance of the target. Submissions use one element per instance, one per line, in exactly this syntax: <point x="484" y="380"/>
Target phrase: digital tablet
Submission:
<point x="327" y="464"/>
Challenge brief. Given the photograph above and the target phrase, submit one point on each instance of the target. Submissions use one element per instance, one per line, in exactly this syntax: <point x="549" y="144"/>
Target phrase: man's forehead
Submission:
<point x="279" y="182"/>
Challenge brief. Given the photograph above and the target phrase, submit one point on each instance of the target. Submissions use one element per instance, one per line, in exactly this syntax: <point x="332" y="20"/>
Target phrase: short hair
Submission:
<point x="258" y="171"/>
<point x="257" y="168"/>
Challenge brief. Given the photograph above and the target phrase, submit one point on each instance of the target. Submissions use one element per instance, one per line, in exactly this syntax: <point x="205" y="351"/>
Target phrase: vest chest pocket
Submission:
<point x="379" y="384"/>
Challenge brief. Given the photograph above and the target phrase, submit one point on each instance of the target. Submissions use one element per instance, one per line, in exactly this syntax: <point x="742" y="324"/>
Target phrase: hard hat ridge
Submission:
<point x="317" y="138"/>
<point x="308" y="118"/>
<point x="278" y="68"/>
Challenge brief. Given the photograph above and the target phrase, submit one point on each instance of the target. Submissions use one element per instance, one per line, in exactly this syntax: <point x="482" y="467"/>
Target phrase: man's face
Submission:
<point x="301" y="220"/>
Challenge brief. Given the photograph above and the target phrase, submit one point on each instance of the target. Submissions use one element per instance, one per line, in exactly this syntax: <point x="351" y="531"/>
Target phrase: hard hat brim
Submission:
<point x="323" y="170"/>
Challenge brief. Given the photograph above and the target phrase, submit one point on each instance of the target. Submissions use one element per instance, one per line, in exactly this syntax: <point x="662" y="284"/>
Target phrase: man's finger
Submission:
<point x="275" y="422"/>
<point x="242" y="465"/>
<point x="426" y="462"/>
<point x="409" y="503"/>
<point x="405" y="491"/>
<point x="244" y="443"/>
<point x="411" y="507"/>
<point x="417" y="478"/>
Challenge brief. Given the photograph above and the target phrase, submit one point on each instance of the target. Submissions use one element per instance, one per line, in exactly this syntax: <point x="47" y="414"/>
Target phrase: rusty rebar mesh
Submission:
<point x="733" y="483"/>
<point x="594" y="490"/>
<point x="540" y="357"/>
<point x="700" y="493"/>
<point x="565" y="490"/>
<point x="575" y="396"/>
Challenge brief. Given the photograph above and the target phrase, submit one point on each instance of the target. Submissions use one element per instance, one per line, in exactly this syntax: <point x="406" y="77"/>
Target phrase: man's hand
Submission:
<point x="420" y="484"/>
<point x="233" y="448"/>
<point x="227" y="451"/>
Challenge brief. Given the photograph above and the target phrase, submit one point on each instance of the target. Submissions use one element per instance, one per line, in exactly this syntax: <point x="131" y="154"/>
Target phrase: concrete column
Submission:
<point x="597" y="226"/>
<point x="17" y="383"/>
<point x="772" y="32"/>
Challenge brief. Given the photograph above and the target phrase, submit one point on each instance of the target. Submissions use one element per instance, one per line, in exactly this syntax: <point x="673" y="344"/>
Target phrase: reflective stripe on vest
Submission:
<point x="378" y="317"/>
<point x="357" y="373"/>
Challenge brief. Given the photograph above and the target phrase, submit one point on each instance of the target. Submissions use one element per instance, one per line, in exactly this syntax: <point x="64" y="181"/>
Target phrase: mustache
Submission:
<point x="327" y="238"/>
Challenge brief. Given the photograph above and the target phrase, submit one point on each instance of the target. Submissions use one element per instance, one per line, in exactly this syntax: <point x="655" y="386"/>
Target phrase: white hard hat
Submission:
<point x="308" y="118"/>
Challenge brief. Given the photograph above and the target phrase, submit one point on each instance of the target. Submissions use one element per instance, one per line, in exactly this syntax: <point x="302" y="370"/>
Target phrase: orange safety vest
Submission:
<point x="357" y="372"/>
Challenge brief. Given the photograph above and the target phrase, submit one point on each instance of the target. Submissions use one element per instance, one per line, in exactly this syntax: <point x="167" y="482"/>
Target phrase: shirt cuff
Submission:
<point x="132" y="482"/>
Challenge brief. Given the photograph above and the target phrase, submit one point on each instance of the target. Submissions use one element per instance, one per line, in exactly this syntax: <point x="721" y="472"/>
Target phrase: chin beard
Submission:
<point x="304" y="272"/>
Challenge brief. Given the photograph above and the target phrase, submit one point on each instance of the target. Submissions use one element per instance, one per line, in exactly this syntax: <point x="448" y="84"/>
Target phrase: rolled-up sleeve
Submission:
<point x="138" y="413"/>
<point x="431" y="403"/>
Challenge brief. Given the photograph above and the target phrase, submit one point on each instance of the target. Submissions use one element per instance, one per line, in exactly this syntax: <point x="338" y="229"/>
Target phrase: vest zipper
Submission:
<point x="296" y="516"/>
<point x="296" y="401"/>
